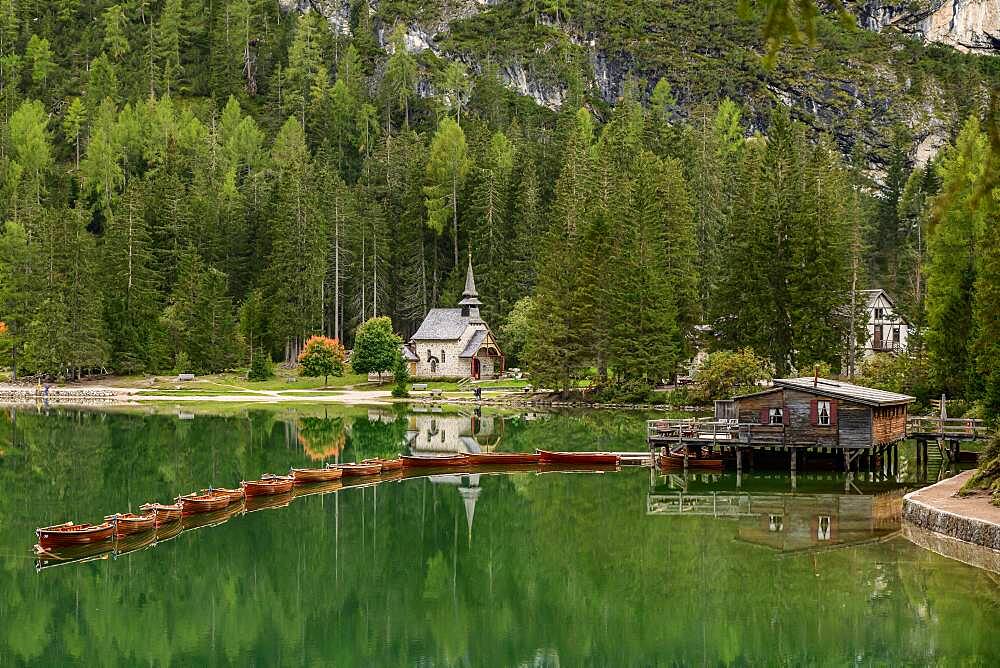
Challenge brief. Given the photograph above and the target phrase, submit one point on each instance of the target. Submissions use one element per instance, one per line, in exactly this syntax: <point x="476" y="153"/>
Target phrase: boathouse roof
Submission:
<point x="867" y="396"/>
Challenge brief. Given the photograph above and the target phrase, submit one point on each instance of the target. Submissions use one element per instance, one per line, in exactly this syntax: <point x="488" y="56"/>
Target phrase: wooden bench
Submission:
<point x="436" y="393"/>
<point x="185" y="376"/>
<point x="420" y="386"/>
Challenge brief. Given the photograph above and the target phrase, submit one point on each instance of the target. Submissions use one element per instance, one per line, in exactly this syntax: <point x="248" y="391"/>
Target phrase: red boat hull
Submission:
<point x="437" y="462"/>
<point x="203" y="503"/>
<point x="503" y="458"/>
<point x="231" y="495"/>
<point x="358" y="470"/>
<point x="303" y="476"/>
<point x="268" y="486"/>
<point x="129" y="524"/>
<point x="387" y="464"/>
<point x="677" y="462"/>
<point x="547" y="457"/>
<point x="164" y="514"/>
<point x="63" y="535"/>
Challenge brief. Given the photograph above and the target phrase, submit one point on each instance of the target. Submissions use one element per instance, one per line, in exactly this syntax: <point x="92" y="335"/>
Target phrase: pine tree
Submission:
<point x="169" y="43"/>
<point x="18" y="272"/>
<point x="298" y="245"/>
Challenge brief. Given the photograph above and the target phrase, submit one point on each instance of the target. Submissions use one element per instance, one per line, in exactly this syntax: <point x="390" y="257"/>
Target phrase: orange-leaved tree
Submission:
<point x="322" y="356"/>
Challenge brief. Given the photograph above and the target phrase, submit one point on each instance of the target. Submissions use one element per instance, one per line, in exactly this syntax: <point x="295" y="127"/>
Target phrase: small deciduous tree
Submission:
<point x="726" y="373"/>
<point x="322" y="356"/>
<point x="376" y="347"/>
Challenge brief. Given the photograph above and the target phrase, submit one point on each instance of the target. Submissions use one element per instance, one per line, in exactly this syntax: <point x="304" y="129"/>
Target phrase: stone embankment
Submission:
<point x="966" y="528"/>
<point x="542" y="402"/>
<point x="75" y="395"/>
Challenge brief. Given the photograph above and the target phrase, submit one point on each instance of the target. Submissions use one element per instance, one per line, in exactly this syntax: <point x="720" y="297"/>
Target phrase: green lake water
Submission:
<point x="507" y="569"/>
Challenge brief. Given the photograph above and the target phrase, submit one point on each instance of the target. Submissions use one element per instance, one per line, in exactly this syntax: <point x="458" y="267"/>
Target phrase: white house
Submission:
<point x="887" y="330"/>
<point x="455" y="342"/>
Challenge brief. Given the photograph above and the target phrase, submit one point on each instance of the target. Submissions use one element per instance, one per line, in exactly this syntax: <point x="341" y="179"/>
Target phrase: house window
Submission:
<point x="774" y="416"/>
<point x="823" y="413"/>
<point x="895" y="337"/>
<point x="879" y="313"/>
<point x="824" y="528"/>
<point x="442" y="356"/>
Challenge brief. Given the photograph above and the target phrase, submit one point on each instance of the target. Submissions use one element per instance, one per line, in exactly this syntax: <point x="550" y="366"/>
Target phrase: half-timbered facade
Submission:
<point x="887" y="329"/>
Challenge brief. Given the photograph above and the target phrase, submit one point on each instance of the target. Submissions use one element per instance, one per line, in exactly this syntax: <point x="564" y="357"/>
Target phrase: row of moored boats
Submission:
<point x="270" y="490"/>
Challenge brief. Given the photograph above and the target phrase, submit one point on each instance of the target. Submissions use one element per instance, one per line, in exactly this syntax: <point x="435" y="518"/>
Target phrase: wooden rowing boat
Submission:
<point x="677" y="462"/>
<point x="387" y="464"/>
<point x="549" y="457"/>
<point x="303" y="476"/>
<point x="163" y="513"/>
<point x="127" y="524"/>
<point x="62" y="535"/>
<point x="232" y="495"/>
<point x="503" y="458"/>
<point x="358" y="470"/>
<point x="202" y="503"/>
<point x="268" y="485"/>
<point x="435" y="461"/>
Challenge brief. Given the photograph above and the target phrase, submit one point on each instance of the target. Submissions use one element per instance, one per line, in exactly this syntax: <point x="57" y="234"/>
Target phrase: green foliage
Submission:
<point x="322" y="356"/>
<point x="726" y="373"/>
<point x="906" y="374"/>
<point x="261" y="367"/>
<point x="987" y="476"/>
<point x="376" y="347"/>
<point x="400" y="376"/>
<point x="516" y="330"/>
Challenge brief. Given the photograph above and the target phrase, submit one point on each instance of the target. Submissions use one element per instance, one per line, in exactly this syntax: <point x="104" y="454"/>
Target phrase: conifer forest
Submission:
<point x="201" y="181"/>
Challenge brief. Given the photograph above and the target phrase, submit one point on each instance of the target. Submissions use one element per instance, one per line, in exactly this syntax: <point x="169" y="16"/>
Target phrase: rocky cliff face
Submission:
<point x="967" y="25"/>
<point x="705" y="52"/>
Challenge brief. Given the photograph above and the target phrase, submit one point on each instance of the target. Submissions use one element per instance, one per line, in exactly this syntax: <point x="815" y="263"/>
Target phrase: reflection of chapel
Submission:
<point x="455" y="342"/>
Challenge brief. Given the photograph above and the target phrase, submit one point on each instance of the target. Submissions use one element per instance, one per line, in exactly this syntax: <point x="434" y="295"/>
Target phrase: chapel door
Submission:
<point x="475" y="368"/>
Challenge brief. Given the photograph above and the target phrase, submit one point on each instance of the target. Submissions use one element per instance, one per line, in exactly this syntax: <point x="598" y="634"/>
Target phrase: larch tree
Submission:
<point x="447" y="166"/>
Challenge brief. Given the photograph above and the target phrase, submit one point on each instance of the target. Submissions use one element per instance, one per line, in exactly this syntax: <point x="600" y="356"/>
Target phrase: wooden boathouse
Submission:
<point x="795" y="416"/>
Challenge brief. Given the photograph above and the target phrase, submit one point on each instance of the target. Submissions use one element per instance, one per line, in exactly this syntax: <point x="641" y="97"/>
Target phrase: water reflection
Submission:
<point x="823" y="511"/>
<point x="460" y="568"/>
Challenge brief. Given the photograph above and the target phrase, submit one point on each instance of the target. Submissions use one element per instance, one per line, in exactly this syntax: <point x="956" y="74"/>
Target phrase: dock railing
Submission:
<point x="709" y="431"/>
<point x="946" y="428"/>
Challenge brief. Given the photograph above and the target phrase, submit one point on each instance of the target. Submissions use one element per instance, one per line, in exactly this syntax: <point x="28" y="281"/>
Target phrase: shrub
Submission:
<point x="402" y="377"/>
<point x="182" y="363"/>
<point x="261" y="367"/>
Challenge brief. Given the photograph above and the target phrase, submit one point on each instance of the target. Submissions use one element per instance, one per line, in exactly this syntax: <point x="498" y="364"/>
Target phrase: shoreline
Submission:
<point x="124" y="396"/>
<point x="964" y="528"/>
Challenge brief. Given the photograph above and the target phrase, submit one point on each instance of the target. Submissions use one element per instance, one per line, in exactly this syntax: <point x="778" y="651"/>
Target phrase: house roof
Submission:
<point x="472" y="347"/>
<point x="872" y="295"/>
<point x="867" y="396"/>
<point x="441" y="324"/>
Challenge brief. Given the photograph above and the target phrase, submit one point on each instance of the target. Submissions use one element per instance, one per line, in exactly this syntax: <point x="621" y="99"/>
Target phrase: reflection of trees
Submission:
<point x="561" y="566"/>
<point x="322" y="438"/>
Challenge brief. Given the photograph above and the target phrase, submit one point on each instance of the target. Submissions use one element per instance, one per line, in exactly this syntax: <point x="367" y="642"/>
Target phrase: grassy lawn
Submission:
<point x="230" y="383"/>
<point x="452" y="386"/>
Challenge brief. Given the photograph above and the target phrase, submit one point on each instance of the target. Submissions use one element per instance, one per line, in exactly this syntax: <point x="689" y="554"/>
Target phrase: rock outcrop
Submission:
<point x="967" y="25"/>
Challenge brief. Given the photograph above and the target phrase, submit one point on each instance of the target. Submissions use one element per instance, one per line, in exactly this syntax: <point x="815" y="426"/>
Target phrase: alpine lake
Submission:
<point x="472" y="568"/>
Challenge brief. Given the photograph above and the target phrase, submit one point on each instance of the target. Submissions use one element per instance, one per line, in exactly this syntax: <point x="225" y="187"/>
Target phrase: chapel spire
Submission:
<point x="470" y="297"/>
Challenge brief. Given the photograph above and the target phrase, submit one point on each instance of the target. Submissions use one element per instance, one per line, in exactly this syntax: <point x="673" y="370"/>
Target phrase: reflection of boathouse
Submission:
<point x="437" y="433"/>
<point x="790" y="521"/>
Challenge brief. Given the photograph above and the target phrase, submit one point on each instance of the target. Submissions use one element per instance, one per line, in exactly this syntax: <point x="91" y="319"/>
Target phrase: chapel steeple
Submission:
<point x="470" y="298"/>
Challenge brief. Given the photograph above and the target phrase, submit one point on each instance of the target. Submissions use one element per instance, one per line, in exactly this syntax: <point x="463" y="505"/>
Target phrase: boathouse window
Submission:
<point x="775" y="523"/>
<point x="823" y="413"/>
<point x="823" y="528"/>
<point x="774" y="416"/>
